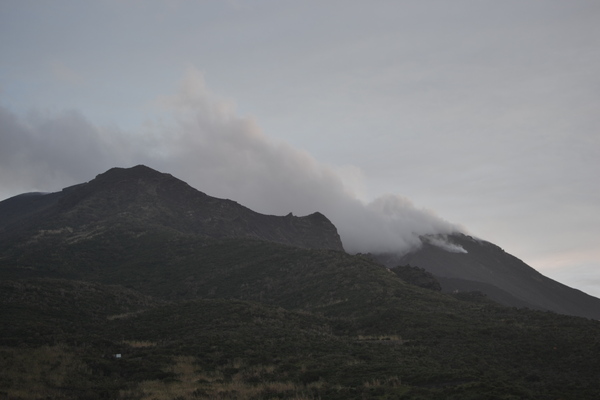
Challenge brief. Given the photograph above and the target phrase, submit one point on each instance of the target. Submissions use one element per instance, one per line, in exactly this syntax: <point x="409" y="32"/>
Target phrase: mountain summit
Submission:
<point x="139" y="199"/>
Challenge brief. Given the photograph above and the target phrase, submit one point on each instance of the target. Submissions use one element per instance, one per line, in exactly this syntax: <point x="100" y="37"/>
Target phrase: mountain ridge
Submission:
<point x="142" y="196"/>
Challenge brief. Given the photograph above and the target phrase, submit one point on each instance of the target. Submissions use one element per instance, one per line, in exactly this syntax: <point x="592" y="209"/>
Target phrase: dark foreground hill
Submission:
<point x="244" y="319"/>
<point x="136" y="310"/>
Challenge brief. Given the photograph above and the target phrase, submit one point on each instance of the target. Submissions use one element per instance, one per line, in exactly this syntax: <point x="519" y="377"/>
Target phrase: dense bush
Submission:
<point x="200" y="318"/>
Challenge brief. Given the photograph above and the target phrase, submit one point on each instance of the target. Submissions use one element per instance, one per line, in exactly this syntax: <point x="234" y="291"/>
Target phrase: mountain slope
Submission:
<point x="487" y="268"/>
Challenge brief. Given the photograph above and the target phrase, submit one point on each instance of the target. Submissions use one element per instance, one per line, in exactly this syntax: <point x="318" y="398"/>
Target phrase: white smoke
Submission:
<point x="200" y="139"/>
<point x="442" y="242"/>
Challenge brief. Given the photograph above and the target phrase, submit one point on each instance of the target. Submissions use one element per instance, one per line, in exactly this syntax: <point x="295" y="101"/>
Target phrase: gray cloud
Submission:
<point x="41" y="151"/>
<point x="202" y="140"/>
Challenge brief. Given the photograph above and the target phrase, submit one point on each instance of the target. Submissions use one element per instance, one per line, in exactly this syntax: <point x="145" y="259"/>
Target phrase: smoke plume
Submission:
<point x="200" y="139"/>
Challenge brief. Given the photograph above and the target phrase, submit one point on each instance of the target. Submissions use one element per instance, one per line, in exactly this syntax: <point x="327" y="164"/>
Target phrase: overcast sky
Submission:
<point x="419" y="115"/>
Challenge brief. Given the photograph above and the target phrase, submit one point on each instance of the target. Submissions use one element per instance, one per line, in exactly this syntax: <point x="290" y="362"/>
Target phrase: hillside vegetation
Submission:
<point x="246" y="319"/>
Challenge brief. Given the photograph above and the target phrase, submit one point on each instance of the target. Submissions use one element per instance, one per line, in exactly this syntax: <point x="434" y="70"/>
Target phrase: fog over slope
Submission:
<point x="200" y="139"/>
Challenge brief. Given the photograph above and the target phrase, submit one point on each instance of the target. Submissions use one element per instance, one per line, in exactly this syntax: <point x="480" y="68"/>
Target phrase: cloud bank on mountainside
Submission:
<point x="198" y="138"/>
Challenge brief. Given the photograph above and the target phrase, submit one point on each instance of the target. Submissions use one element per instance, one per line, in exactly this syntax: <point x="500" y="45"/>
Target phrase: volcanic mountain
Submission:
<point x="137" y="201"/>
<point x="135" y="285"/>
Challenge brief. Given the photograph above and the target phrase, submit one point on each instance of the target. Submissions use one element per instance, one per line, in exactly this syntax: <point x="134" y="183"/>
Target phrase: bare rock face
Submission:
<point x="140" y="199"/>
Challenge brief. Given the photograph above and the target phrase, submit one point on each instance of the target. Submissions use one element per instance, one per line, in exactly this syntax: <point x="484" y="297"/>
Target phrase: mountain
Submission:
<point x="484" y="267"/>
<point x="140" y="199"/>
<point x="136" y="286"/>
